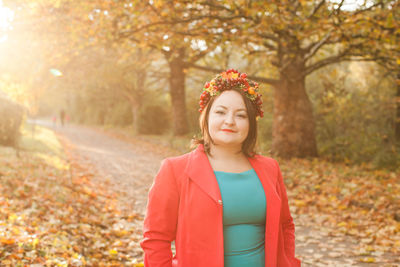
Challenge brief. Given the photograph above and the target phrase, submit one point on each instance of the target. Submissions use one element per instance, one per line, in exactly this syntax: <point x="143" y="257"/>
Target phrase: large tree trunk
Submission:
<point x="177" y="92"/>
<point x="293" y="133"/>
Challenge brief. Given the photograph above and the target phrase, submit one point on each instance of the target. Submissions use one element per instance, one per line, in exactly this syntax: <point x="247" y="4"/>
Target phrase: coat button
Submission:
<point x="220" y="201"/>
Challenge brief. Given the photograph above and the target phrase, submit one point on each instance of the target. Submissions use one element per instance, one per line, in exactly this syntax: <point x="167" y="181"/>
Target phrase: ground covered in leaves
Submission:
<point x="57" y="209"/>
<point x="351" y="201"/>
<point x="345" y="215"/>
<point x="53" y="214"/>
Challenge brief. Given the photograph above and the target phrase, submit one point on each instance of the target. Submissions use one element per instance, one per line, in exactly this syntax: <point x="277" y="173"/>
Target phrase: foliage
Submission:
<point x="336" y="199"/>
<point x="154" y="119"/>
<point x="351" y="200"/>
<point x="119" y="114"/>
<point x="355" y="114"/>
<point x="11" y="117"/>
<point x="53" y="213"/>
<point x="278" y="42"/>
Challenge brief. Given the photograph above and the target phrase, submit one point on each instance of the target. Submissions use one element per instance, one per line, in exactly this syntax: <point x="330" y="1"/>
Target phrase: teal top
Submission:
<point x="244" y="211"/>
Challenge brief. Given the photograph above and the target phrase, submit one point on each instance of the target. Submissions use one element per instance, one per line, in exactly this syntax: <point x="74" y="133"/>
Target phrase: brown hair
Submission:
<point x="248" y="146"/>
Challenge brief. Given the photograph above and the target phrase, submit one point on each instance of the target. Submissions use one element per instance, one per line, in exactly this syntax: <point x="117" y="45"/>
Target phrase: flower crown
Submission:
<point x="228" y="80"/>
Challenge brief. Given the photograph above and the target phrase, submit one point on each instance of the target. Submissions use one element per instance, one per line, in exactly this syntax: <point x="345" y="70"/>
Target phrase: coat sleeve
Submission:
<point x="287" y="222"/>
<point x="161" y="218"/>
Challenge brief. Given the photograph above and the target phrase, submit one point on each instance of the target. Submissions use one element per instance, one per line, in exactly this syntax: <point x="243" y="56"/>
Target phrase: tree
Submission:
<point x="36" y="43"/>
<point x="171" y="29"/>
<point x="300" y="37"/>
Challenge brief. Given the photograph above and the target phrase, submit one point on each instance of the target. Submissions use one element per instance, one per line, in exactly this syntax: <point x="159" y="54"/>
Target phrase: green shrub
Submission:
<point x="354" y="117"/>
<point x="119" y="114"/>
<point x="154" y="119"/>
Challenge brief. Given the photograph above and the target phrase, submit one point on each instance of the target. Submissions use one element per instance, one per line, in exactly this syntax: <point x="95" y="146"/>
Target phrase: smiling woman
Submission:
<point x="228" y="117"/>
<point x="222" y="204"/>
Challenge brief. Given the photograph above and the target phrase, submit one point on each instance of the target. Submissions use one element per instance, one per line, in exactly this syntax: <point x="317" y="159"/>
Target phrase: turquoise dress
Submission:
<point x="244" y="211"/>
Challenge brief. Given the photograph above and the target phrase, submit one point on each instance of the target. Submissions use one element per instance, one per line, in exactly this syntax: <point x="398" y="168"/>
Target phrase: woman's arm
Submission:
<point x="287" y="222"/>
<point x="161" y="218"/>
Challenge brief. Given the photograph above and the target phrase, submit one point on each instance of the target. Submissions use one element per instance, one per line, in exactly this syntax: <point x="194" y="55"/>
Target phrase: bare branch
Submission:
<point x="368" y="8"/>
<point x="316" y="9"/>
<point x="269" y="46"/>
<point x="336" y="59"/>
<point x="196" y="57"/>
<point x="269" y="37"/>
<point x="255" y="78"/>
<point x="173" y="22"/>
<point x="323" y="63"/>
<point x="314" y="47"/>
<point x="340" y="6"/>
<point x="152" y="7"/>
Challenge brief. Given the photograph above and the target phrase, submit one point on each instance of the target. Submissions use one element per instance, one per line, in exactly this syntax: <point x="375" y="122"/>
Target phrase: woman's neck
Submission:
<point x="225" y="152"/>
<point x="228" y="159"/>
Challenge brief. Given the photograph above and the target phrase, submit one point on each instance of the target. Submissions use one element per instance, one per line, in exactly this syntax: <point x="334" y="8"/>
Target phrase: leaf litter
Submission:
<point x="56" y="217"/>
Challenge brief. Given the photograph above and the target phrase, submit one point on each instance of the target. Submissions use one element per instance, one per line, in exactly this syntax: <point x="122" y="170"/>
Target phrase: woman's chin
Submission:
<point x="228" y="143"/>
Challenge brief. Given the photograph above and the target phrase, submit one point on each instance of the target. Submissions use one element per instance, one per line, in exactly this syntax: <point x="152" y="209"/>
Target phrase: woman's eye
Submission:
<point x="242" y="116"/>
<point x="220" y="112"/>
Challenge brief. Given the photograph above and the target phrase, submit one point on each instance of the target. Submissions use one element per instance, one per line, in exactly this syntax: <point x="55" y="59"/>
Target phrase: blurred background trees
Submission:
<point x="329" y="69"/>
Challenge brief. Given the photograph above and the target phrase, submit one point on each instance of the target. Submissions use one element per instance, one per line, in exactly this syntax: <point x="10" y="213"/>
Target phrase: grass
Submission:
<point x="42" y="144"/>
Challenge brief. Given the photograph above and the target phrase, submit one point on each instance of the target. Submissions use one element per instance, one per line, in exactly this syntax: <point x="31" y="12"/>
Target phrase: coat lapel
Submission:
<point x="200" y="171"/>
<point x="267" y="175"/>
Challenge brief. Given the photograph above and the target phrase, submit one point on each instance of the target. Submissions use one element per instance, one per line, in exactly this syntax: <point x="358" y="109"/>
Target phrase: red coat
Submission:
<point x="185" y="205"/>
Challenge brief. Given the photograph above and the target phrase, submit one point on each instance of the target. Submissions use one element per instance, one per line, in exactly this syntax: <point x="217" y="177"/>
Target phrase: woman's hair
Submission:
<point x="248" y="146"/>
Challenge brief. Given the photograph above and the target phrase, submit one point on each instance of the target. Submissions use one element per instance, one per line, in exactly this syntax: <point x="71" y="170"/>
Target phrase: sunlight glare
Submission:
<point x="6" y="17"/>
<point x="351" y="5"/>
<point x="56" y="72"/>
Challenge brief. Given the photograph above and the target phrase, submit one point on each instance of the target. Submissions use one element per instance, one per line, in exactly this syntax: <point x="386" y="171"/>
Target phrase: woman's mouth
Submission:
<point x="228" y="130"/>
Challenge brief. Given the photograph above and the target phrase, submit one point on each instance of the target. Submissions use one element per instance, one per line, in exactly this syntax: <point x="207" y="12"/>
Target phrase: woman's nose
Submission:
<point x="229" y="119"/>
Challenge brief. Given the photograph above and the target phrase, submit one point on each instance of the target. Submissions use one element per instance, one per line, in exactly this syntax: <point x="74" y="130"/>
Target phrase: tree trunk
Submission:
<point x="397" y="119"/>
<point x="293" y="131"/>
<point x="134" y="93"/>
<point x="177" y="92"/>
<point x="135" y="117"/>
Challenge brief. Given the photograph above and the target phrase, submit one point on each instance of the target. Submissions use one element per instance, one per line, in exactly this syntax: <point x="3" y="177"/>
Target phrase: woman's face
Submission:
<point x="228" y="122"/>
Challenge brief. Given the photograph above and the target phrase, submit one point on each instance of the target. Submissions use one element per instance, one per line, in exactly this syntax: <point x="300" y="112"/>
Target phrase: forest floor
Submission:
<point x="84" y="204"/>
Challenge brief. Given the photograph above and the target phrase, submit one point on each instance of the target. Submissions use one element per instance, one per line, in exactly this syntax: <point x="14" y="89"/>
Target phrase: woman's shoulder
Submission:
<point x="266" y="160"/>
<point x="263" y="158"/>
<point x="178" y="159"/>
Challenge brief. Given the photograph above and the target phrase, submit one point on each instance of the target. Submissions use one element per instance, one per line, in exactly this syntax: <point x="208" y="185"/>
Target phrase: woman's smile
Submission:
<point x="228" y="130"/>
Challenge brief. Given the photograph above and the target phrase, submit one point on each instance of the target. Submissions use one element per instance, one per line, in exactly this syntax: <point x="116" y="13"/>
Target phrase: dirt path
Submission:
<point x="131" y="167"/>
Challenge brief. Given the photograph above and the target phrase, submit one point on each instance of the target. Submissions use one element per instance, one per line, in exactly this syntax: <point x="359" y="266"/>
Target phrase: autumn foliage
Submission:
<point x="11" y="115"/>
<point x="350" y="200"/>
<point x="61" y="217"/>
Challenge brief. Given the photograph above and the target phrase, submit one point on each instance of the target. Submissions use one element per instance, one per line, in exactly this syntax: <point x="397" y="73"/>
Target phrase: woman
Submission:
<point x="222" y="204"/>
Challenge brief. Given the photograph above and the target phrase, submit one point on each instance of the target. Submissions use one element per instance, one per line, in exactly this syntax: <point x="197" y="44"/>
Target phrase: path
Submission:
<point x="131" y="166"/>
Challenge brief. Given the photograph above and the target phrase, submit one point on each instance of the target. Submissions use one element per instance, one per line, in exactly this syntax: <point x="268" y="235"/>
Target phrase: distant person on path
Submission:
<point x="67" y="118"/>
<point x="222" y="204"/>
<point x="62" y="117"/>
<point x="54" y="119"/>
